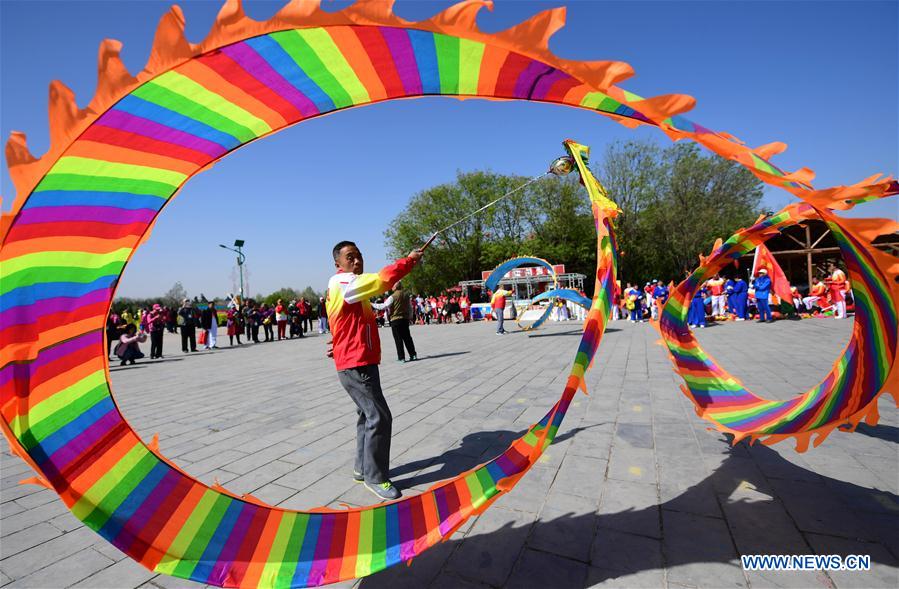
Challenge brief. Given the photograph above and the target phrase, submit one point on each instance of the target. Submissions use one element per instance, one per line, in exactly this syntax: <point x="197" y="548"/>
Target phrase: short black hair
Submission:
<point x="340" y="245"/>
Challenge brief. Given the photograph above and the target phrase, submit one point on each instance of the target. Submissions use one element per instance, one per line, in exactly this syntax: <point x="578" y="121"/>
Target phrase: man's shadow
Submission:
<point x="475" y="448"/>
<point x="770" y="506"/>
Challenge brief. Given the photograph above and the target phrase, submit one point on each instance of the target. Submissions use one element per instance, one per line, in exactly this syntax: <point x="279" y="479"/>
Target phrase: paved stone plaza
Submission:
<point x="635" y="492"/>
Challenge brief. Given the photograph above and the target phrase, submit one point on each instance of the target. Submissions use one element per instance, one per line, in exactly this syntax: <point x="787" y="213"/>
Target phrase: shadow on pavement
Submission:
<point x="446" y="355"/>
<point x="573" y="332"/>
<point x="881" y="432"/>
<point x="475" y="449"/>
<point x="764" y="499"/>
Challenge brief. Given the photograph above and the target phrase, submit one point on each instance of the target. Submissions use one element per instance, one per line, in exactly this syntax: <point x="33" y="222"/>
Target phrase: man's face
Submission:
<point x="350" y="260"/>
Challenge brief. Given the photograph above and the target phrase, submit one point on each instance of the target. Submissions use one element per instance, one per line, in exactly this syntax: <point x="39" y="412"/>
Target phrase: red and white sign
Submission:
<point x="527" y="272"/>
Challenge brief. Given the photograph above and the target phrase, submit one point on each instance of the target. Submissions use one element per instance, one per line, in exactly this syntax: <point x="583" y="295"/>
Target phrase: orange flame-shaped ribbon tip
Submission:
<point x="600" y="74"/>
<point x="374" y="12"/>
<point x="170" y="46"/>
<point x="112" y="75"/>
<point x="297" y="11"/>
<point x="770" y="149"/>
<point x="462" y="15"/>
<point x="802" y="176"/>
<point x="64" y="114"/>
<point x="659" y="108"/>
<point x="536" y="31"/>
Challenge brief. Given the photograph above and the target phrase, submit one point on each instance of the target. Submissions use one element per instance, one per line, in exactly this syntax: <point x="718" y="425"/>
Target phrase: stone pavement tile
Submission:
<point x="630" y="507"/>
<point x="634" y="412"/>
<point x="635" y="435"/>
<point x="664" y="428"/>
<point x="540" y="569"/>
<point x="33" y="500"/>
<point x="211" y="463"/>
<point x="492" y="547"/>
<point x="65" y="571"/>
<point x="592" y="445"/>
<point x="28" y="538"/>
<point x="565" y="527"/>
<point x="614" y="550"/>
<point x="884" y="570"/>
<point x="32" y="560"/>
<point x="759" y="524"/>
<point x="273" y="494"/>
<point x="10" y="508"/>
<point x="681" y="471"/>
<point x="698" y="498"/>
<point x="699" y="551"/>
<point x="612" y="579"/>
<point x="529" y="494"/>
<point x="31" y="517"/>
<point x="66" y="522"/>
<point x="736" y="471"/>
<point x="217" y="476"/>
<point x="123" y="574"/>
<point x="321" y="492"/>
<point x="882" y="527"/>
<point x="14" y="490"/>
<point x="883" y="467"/>
<point x="818" y="511"/>
<point x="450" y="581"/>
<point x="4" y="579"/>
<point x="783" y="464"/>
<point x="309" y="473"/>
<point x="632" y="464"/>
<point x="261" y="476"/>
<point x="580" y="475"/>
<point x="259" y="458"/>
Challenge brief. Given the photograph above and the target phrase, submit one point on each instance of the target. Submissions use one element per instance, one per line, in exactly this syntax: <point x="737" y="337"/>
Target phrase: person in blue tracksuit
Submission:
<point x="696" y="314"/>
<point x="729" y="292"/>
<point x="660" y="297"/>
<point x="739" y="295"/>
<point x="762" y="285"/>
<point x="635" y="304"/>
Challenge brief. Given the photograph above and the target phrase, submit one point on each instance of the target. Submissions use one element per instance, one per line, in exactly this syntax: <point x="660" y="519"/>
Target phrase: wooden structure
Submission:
<point x="804" y="250"/>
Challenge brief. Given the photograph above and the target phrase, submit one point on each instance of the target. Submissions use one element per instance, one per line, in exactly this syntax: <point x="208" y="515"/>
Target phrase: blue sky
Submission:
<point x="821" y="76"/>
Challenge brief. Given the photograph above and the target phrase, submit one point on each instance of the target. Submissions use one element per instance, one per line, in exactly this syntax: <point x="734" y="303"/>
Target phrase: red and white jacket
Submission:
<point x="351" y="318"/>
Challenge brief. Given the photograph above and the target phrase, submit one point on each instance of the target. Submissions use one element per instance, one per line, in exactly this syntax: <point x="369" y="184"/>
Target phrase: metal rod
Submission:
<point x="486" y="206"/>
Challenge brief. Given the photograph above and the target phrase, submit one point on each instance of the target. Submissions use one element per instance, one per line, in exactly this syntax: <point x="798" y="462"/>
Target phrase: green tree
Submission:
<point x="286" y="294"/>
<point x="675" y="202"/>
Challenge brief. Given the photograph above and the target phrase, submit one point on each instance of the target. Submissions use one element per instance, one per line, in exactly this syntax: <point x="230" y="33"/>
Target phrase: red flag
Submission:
<point x="779" y="283"/>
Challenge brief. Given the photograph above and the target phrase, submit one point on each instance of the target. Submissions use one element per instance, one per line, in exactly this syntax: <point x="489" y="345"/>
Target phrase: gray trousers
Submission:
<point x="498" y="313"/>
<point x="375" y="423"/>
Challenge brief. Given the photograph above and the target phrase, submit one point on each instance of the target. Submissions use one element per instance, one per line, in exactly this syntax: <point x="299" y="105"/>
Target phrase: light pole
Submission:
<point x="241" y="258"/>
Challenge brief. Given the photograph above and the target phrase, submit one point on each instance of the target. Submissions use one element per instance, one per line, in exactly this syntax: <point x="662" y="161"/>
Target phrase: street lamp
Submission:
<point x="241" y="258"/>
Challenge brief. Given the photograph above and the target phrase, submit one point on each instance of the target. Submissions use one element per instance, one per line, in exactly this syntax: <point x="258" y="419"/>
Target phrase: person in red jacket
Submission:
<point x="356" y="349"/>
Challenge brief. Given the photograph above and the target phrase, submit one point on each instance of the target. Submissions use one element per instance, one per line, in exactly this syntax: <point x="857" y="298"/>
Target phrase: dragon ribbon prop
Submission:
<point x="84" y="207"/>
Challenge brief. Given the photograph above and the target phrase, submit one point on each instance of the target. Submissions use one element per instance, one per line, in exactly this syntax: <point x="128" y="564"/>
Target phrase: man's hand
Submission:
<point x="330" y="350"/>
<point x="415" y="255"/>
